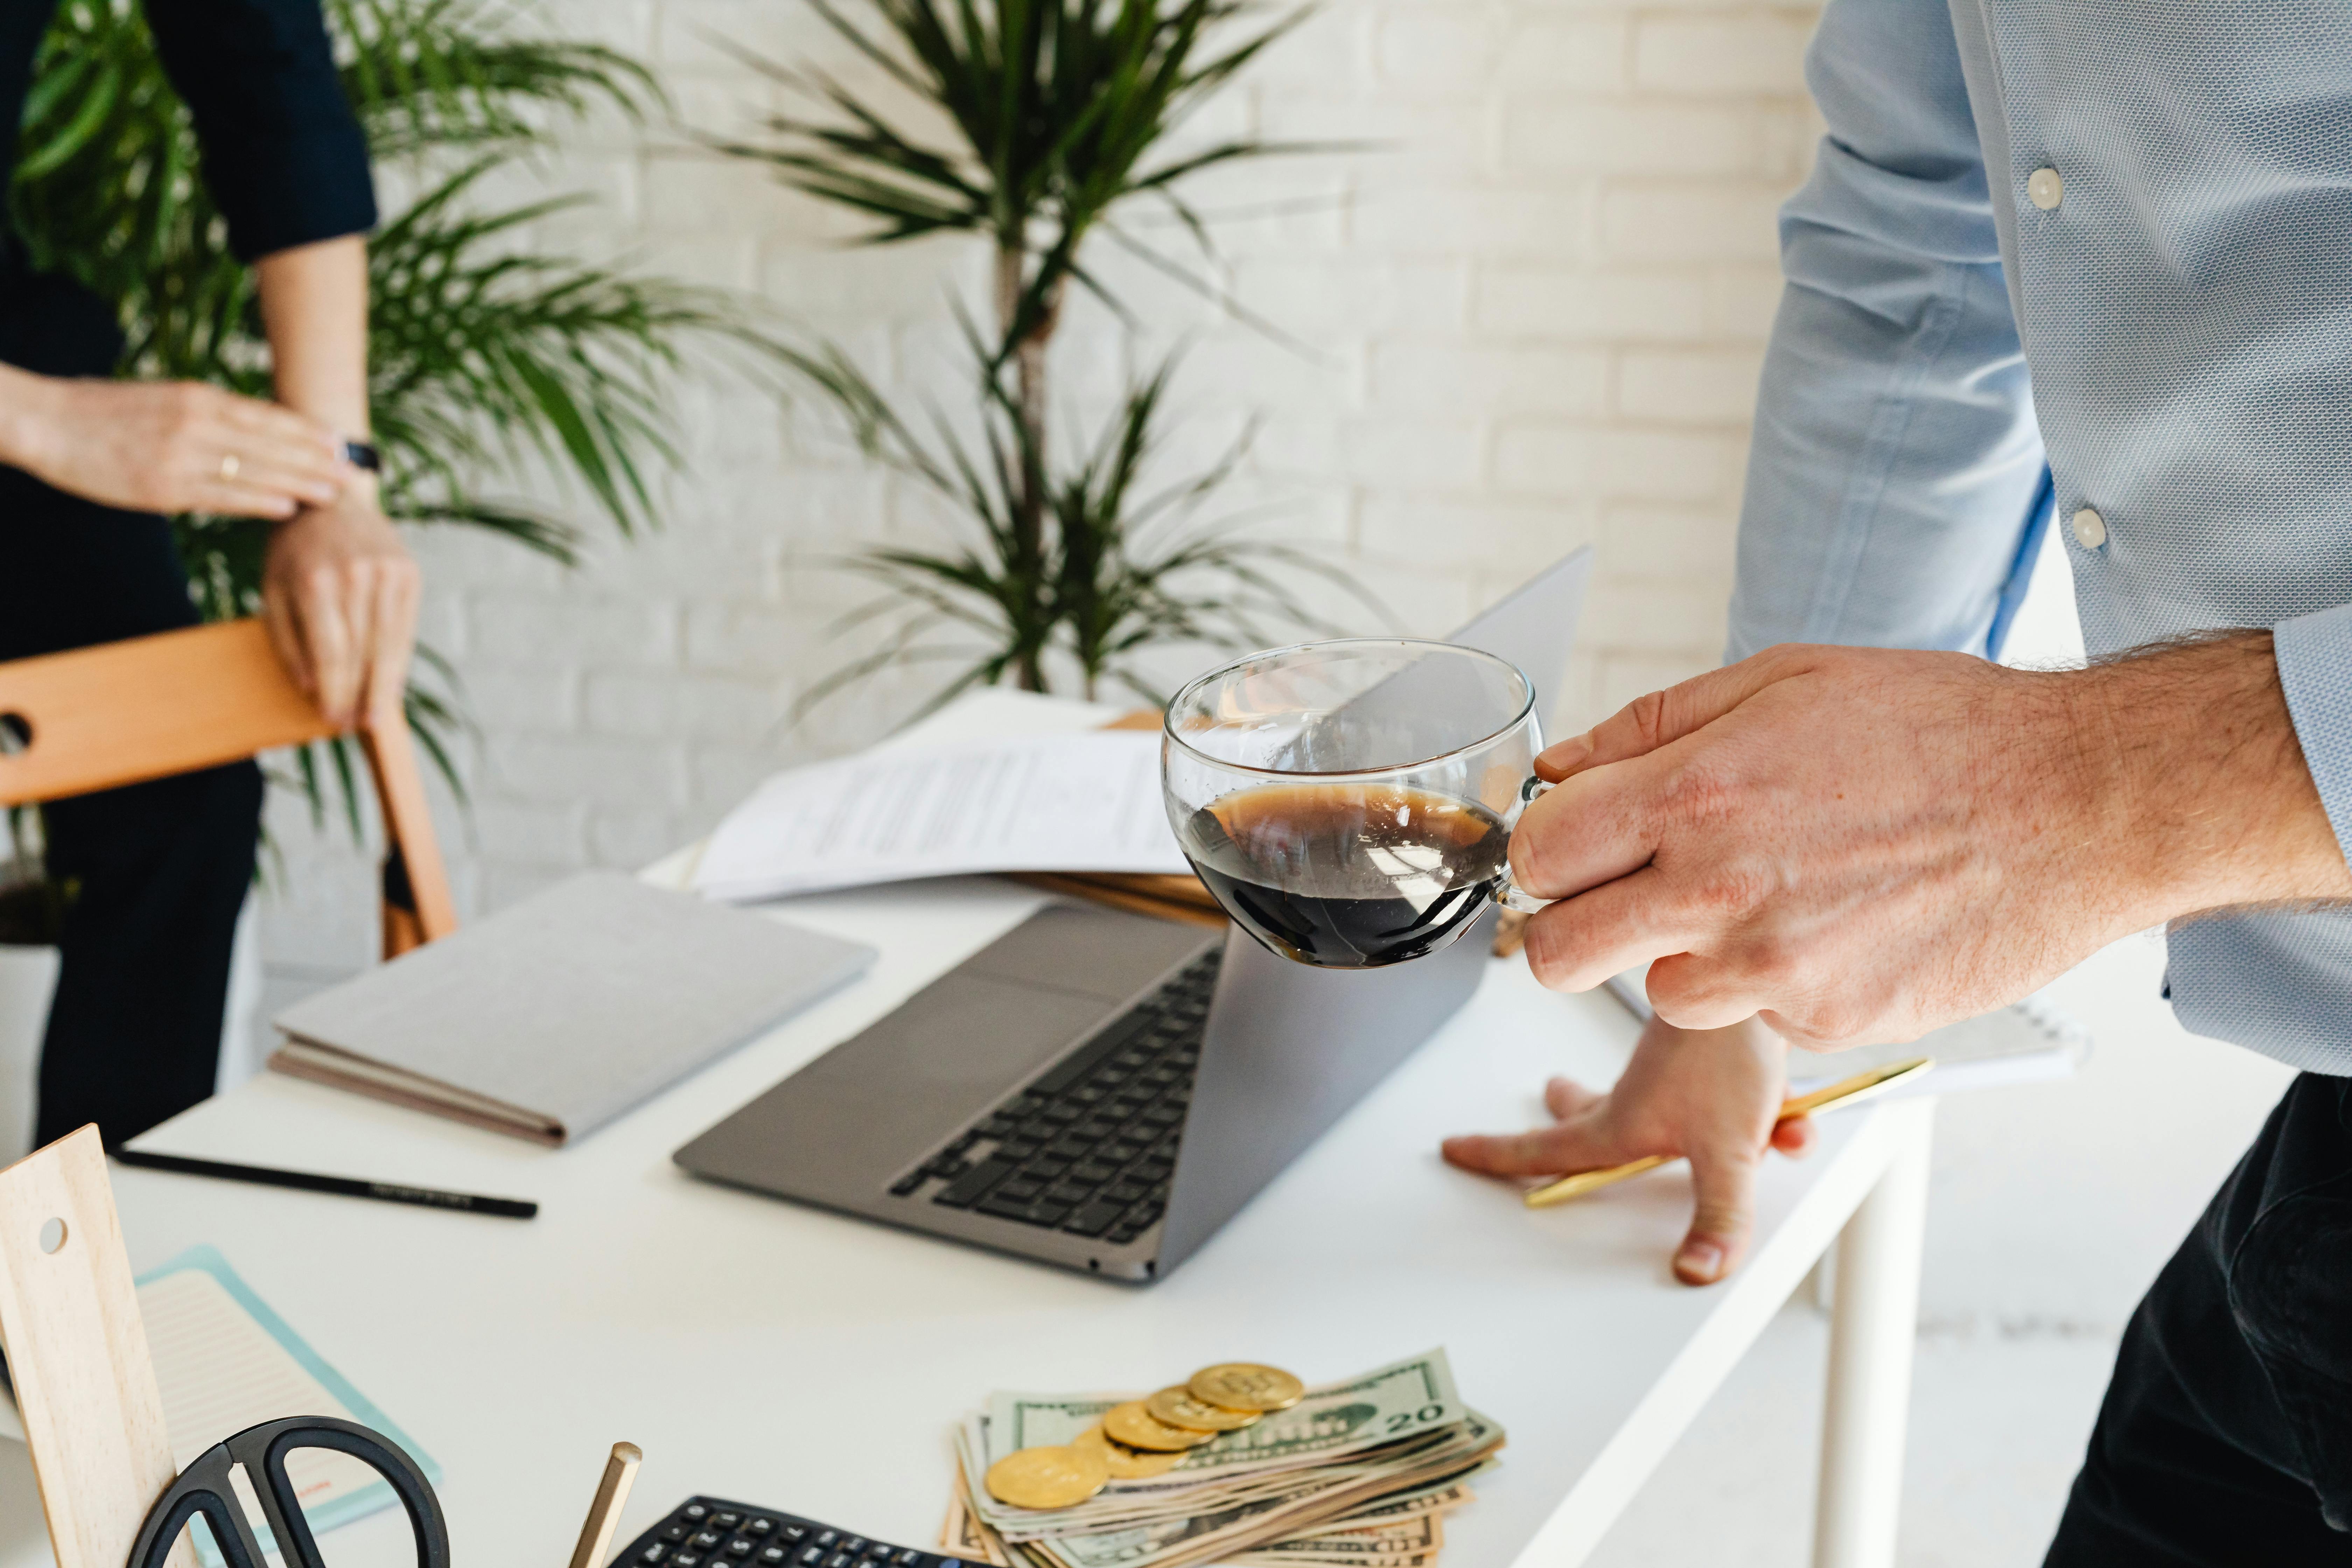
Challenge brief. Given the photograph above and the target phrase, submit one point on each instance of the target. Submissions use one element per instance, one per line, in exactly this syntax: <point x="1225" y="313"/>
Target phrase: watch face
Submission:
<point x="362" y="454"/>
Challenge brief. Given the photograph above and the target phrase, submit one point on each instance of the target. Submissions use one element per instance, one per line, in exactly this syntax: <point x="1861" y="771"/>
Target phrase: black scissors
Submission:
<point x="203" y="1488"/>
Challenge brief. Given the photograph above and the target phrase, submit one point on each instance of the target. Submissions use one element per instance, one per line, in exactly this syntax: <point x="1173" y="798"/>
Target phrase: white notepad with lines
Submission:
<point x="225" y="1361"/>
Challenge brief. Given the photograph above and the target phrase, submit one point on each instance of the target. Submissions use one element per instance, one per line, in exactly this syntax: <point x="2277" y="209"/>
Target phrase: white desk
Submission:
<point x="791" y="1358"/>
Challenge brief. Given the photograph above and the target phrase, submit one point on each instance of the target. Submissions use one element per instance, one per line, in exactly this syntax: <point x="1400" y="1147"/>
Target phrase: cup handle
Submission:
<point x="1507" y="892"/>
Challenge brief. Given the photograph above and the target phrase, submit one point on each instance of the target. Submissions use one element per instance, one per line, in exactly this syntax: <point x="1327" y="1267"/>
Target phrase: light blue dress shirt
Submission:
<point x="2088" y="262"/>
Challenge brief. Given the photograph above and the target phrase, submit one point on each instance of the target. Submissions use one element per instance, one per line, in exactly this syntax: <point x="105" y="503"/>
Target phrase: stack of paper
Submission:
<point x="1087" y="801"/>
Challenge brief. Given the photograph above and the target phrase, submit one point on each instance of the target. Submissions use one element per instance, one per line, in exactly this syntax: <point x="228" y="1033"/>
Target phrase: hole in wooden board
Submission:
<point x="16" y="734"/>
<point x="53" y="1234"/>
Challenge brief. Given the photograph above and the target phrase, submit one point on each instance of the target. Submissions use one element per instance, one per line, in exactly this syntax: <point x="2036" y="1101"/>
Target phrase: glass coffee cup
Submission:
<point x="1350" y="803"/>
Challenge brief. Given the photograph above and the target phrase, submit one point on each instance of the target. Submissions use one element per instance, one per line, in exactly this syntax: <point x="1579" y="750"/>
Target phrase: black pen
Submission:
<point x="343" y="1186"/>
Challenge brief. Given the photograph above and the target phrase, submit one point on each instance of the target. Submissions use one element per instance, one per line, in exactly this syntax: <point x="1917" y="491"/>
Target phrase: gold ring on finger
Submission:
<point x="229" y="465"/>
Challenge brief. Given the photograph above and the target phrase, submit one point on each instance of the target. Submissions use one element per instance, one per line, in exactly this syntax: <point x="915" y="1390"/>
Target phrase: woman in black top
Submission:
<point x="86" y="462"/>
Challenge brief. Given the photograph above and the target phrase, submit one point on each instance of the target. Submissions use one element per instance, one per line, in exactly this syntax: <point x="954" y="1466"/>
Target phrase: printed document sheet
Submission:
<point x="1086" y="802"/>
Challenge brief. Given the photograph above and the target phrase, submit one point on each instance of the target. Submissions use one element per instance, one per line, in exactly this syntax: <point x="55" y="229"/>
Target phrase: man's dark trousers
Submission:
<point x="2226" y="1436"/>
<point x="161" y="868"/>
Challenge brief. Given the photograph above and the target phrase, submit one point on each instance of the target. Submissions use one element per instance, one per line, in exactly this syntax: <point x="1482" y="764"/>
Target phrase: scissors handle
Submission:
<point x="203" y="1489"/>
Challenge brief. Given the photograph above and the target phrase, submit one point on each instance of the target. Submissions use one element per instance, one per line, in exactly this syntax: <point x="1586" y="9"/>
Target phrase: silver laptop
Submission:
<point x="1103" y="1090"/>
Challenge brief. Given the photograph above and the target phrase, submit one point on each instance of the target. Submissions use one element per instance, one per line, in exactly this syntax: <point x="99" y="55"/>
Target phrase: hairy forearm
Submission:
<point x="314" y="309"/>
<point x="2191" y="782"/>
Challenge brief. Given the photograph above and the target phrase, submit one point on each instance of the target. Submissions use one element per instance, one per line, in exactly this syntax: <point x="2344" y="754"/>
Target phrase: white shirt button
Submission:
<point x="2090" y="529"/>
<point x="2044" y="189"/>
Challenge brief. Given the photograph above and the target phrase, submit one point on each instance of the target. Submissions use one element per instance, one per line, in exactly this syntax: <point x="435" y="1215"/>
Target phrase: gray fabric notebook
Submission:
<point x="553" y="1017"/>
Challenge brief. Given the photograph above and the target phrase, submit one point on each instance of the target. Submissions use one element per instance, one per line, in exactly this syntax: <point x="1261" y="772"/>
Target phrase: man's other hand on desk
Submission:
<point x="1711" y="1095"/>
<point x="1863" y="844"/>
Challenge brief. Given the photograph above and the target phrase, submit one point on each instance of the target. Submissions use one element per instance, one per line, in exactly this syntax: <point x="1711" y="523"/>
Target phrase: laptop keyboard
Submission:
<point x="709" y="1532"/>
<point x="1089" y="1148"/>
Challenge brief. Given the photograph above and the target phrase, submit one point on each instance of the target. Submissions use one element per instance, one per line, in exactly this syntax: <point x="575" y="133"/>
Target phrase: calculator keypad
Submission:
<point x="707" y="1532"/>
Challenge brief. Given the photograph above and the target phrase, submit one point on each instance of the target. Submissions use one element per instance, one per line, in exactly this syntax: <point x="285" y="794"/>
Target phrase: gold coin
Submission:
<point x="1178" y="1406"/>
<point x="1246" y="1385"/>
<point x="1136" y="1427"/>
<point x="1048" y="1478"/>
<point x="1127" y="1464"/>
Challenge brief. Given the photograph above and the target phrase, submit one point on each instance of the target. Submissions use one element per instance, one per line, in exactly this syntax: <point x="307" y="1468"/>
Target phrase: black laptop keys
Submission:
<point x="1089" y="1148"/>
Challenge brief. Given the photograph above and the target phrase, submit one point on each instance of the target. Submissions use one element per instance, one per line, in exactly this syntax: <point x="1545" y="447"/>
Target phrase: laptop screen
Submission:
<point x="1534" y="625"/>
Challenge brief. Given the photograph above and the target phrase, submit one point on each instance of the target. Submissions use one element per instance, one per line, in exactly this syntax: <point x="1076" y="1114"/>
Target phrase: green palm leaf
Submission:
<point x="1059" y="115"/>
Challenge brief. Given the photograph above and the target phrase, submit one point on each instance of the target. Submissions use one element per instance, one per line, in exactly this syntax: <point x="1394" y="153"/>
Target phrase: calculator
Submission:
<point x="710" y="1532"/>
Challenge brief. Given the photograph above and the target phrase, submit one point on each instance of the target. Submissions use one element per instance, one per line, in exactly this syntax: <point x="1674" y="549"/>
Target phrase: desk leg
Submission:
<point x="1871" y="1340"/>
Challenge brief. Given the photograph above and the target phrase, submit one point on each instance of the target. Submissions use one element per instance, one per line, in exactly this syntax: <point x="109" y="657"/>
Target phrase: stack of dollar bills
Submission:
<point x="1360" y="1471"/>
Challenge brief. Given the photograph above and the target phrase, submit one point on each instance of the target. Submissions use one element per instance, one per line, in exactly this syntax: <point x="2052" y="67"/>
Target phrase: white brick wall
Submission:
<point x="1537" y="309"/>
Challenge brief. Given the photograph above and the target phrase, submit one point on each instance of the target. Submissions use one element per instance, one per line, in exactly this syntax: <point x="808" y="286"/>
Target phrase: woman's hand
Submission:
<point x="1711" y="1095"/>
<point x="169" y="447"/>
<point x="338" y="592"/>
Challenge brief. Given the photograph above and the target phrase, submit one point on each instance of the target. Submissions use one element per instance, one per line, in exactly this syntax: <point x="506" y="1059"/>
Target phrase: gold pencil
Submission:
<point x="1845" y="1091"/>
<point x="604" y="1509"/>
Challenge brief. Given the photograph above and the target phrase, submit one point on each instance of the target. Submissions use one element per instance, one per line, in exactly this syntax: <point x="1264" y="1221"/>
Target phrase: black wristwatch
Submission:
<point x="363" y="455"/>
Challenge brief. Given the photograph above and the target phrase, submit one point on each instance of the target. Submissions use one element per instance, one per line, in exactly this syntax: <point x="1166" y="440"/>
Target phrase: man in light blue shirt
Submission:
<point x="2074" y="263"/>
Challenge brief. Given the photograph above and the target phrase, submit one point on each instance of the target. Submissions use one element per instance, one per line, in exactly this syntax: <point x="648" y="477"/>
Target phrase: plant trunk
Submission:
<point x="1029" y="505"/>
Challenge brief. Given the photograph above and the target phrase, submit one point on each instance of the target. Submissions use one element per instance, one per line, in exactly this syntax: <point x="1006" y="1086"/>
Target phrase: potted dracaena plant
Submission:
<point x="488" y="355"/>
<point x="1060" y="122"/>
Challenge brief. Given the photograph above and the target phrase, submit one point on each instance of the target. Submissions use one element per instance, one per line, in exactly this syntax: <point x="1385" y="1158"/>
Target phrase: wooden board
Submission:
<point x="77" y="1355"/>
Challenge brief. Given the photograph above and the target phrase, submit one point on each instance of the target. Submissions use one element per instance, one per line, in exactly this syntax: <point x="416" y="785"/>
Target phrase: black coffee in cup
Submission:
<point x="1348" y="876"/>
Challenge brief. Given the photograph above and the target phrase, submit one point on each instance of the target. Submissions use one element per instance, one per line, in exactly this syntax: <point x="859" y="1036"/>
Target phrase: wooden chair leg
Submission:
<point x="414" y="861"/>
<point x="402" y="929"/>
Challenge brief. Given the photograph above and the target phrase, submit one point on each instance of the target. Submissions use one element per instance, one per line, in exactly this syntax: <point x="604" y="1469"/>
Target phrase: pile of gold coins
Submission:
<point x="1143" y="1437"/>
<point x="1237" y="1464"/>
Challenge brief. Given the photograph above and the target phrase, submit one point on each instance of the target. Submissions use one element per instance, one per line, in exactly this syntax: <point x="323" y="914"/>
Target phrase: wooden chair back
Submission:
<point x="124" y="713"/>
<point x="77" y="1355"/>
